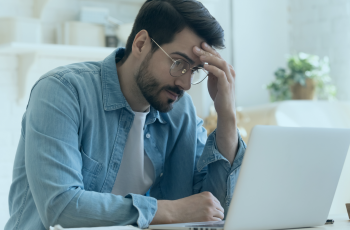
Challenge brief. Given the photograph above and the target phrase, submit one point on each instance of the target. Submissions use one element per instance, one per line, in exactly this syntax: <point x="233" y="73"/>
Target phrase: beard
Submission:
<point x="151" y="89"/>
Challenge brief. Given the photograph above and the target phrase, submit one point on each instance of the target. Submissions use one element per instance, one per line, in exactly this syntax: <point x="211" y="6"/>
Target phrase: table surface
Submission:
<point x="341" y="222"/>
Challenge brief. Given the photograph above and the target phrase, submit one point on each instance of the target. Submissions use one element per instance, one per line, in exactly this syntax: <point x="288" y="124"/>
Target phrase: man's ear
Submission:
<point x="141" y="44"/>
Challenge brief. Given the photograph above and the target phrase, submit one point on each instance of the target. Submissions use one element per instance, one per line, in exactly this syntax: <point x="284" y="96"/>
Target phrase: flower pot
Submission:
<point x="304" y="92"/>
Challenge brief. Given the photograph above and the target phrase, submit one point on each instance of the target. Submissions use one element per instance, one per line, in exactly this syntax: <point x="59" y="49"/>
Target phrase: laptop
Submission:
<point x="288" y="179"/>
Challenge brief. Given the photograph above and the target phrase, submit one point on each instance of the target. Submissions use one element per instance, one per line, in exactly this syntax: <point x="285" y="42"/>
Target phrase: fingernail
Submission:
<point x="205" y="44"/>
<point x="197" y="49"/>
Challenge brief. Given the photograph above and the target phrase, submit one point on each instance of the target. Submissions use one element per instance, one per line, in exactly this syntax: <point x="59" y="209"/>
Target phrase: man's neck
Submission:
<point x="126" y="74"/>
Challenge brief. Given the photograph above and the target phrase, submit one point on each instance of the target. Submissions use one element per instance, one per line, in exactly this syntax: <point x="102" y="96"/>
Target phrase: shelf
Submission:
<point x="56" y="50"/>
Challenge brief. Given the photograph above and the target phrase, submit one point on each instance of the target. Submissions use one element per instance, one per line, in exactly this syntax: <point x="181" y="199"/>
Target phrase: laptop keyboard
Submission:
<point x="209" y="226"/>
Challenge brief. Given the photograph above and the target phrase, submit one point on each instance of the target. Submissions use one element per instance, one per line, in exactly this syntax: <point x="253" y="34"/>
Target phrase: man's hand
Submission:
<point x="221" y="79"/>
<point x="221" y="87"/>
<point x="196" y="208"/>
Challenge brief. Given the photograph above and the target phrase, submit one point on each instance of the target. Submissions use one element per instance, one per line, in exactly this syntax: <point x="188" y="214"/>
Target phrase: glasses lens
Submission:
<point x="199" y="75"/>
<point x="179" y="68"/>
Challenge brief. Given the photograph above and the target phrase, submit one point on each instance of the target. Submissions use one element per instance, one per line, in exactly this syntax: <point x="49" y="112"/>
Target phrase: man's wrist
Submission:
<point x="164" y="214"/>
<point x="227" y="136"/>
<point x="226" y="124"/>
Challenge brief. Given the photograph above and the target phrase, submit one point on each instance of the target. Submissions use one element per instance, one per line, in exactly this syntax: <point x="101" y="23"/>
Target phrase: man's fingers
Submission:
<point x="220" y="74"/>
<point x="218" y="214"/>
<point x="217" y="219"/>
<point x="210" y="50"/>
<point x="206" y="51"/>
<point x="200" y="52"/>
<point x="218" y="206"/>
<point x="214" y="60"/>
<point x="220" y="63"/>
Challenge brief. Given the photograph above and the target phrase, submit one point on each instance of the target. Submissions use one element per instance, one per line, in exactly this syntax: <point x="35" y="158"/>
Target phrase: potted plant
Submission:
<point x="307" y="77"/>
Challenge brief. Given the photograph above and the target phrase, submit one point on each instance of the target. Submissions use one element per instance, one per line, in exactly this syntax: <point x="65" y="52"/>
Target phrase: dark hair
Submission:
<point x="162" y="19"/>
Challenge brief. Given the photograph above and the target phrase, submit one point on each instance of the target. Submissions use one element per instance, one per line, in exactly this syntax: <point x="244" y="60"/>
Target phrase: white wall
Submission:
<point x="322" y="27"/>
<point x="260" y="43"/>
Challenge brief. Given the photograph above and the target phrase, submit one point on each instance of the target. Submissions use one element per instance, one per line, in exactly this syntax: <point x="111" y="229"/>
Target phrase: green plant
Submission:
<point x="300" y="68"/>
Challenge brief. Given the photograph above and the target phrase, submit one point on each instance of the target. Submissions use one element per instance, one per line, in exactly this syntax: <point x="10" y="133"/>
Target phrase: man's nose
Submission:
<point x="184" y="81"/>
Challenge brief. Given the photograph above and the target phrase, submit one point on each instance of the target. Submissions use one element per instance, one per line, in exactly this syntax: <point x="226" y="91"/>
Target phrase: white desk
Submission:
<point x="341" y="222"/>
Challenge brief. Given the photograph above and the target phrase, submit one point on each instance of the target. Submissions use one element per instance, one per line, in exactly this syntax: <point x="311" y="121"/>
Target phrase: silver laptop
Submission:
<point x="288" y="179"/>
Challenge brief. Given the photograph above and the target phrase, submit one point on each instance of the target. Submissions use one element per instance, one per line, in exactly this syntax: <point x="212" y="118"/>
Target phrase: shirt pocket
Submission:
<point x="90" y="170"/>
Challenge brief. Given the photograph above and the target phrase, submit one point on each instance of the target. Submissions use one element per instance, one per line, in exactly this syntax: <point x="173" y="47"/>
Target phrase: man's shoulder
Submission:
<point x="75" y="70"/>
<point x="74" y="76"/>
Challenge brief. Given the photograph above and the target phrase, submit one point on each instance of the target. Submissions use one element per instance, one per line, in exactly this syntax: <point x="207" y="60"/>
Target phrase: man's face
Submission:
<point x="153" y="78"/>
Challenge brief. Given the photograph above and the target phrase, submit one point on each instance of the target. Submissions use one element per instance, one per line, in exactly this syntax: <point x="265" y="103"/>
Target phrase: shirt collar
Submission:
<point x="112" y="94"/>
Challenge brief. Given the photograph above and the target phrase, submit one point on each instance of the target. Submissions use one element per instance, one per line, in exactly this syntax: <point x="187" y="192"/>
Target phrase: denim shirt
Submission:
<point x="73" y="135"/>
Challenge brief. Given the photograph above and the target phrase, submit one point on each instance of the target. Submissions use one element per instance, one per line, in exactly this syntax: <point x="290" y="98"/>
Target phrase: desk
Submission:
<point x="341" y="222"/>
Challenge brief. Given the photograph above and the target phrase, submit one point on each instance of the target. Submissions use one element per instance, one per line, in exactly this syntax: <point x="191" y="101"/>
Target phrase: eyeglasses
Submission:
<point x="181" y="67"/>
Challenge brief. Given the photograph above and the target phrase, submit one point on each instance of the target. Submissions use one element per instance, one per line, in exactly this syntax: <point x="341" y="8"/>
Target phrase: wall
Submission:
<point x="261" y="41"/>
<point x="322" y="27"/>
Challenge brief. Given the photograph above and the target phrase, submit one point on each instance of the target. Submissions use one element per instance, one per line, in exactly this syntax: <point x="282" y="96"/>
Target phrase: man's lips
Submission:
<point x="172" y="95"/>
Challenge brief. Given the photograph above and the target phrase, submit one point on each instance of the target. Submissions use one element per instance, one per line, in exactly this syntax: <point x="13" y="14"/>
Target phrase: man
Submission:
<point x="118" y="142"/>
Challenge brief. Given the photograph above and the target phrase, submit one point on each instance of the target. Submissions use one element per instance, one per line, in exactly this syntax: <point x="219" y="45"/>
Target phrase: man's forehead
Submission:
<point x="184" y="42"/>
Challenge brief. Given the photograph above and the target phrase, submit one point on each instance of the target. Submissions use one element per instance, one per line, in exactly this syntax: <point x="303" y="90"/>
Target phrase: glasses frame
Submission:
<point x="174" y="61"/>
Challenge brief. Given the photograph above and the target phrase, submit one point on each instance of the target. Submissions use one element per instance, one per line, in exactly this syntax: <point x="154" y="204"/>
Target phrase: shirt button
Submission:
<point x="161" y="174"/>
<point x="148" y="135"/>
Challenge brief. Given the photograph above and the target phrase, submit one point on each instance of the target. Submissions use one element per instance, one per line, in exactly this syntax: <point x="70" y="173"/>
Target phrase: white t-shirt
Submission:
<point x="136" y="172"/>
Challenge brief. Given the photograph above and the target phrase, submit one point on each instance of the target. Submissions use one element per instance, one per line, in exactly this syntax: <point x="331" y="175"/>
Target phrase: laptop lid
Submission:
<point x="288" y="178"/>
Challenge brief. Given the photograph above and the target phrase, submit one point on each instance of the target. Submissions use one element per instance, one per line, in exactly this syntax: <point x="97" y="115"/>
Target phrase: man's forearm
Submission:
<point x="226" y="136"/>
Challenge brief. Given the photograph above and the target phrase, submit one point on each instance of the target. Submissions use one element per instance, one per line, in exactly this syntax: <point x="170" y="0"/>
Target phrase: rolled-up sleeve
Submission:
<point x="54" y="166"/>
<point x="218" y="176"/>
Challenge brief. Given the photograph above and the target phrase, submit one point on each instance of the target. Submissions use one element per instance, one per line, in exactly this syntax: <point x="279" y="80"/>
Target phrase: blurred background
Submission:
<point x="291" y="57"/>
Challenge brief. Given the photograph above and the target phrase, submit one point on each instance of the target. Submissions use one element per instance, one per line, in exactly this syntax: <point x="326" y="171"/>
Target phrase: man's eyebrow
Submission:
<point x="185" y="56"/>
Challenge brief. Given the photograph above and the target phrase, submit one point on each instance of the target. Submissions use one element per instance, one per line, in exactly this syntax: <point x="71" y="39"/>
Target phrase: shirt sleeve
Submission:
<point x="54" y="166"/>
<point x="214" y="172"/>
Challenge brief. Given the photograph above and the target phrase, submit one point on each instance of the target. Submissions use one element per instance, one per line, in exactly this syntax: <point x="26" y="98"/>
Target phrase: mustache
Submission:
<point x="175" y="90"/>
